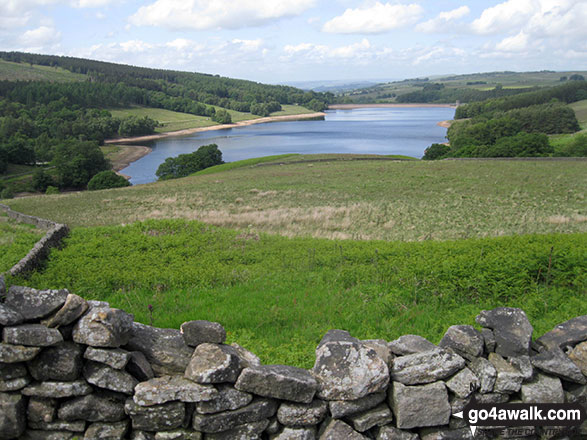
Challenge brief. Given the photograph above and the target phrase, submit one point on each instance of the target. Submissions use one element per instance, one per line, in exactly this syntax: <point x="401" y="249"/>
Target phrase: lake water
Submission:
<point x="406" y="131"/>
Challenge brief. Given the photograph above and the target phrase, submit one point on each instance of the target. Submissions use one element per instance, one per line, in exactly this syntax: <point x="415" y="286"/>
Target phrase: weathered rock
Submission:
<point x="35" y="304"/>
<point x="61" y="362"/>
<point x="256" y="411"/>
<point x="139" y="366"/>
<point x="169" y="388"/>
<point x="41" y="409"/>
<point x="74" y="307"/>
<point x="247" y="431"/>
<point x="411" y="344"/>
<point x="31" y="434"/>
<point x="463" y="340"/>
<point x="95" y="304"/>
<point x="17" y="353"/>
<point x="214" y="363"/>
<point x="178" y="434"/>
<point x="511" y="328"/>
<point x="103" y="376"/>
<point x="579" y="356"/>
<point x="12" y="371"/>
<point x="31" y="335"/>
<point x="447" y="434"/>
<point x="107" y="431"/>
<point x="59" y="425"/>
<point x="58" y="389"/>
<point x="486" y="373"/>
<point x="426" y="367"/>
<point x="463" y="383"/>
<point x="346" y="369"/>
<point x="382" y="349"/>
<point x="420" y="405"/>
<point x="163" y="417"/>
<point x="2" y="285"/>
<point x="93" y="408"/>
<point x="458" y="404"/>
<point x="543" y="389"/>
<point x="14" y="384"/>
<point x="278" y="381"/>
<point x="142" y="435"/>
<point x="492" y="398"/>
<point x="288" y="433"/>
<point x="299" y="414"/>
<point x="12" y="415"/>
<point x="198" y="332"/>
<point x="488" y="339"/>
<point x="248" y="358"/>
<point x="113" y="357"/>
<point x="9" y="316"/>
<point x="228" y="399"/>
<point x="554" y="361"/>
<point x="568" y="333"/>
<point x="165" y="349"/>
<point x="103" y="328"/>
<point x="509" y="378"/>
<point x="343" y="408"/>
<point x="338" y="430"/>
<point x="391" y="433"/>
<point x="274" y="426"/>
<point x="524" y="365"/>
<point x="378" y="416"/>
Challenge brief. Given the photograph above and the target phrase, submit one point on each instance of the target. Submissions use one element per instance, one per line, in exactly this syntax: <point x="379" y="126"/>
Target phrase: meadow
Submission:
<point x="16" y="240"/>
<point x="33" y="72"/>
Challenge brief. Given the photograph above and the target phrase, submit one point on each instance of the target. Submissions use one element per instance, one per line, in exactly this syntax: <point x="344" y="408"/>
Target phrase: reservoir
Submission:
<point x="407" y="131"/>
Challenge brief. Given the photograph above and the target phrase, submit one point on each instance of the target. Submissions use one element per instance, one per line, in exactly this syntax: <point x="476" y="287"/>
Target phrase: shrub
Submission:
<point x="52" y="190"/>
<point x="7" y="193"/>
<point x="436" y="151"/>
<point x="41" y="180"/>
<point x="186" y="164"/>
<point x="576" y="148"/>
<point x="107" y="179"/>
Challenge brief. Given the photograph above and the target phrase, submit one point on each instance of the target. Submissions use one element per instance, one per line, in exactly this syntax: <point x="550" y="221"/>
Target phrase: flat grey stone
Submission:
<point x="511" y="328"/>
<point x="103" y="328"/>
<point x="12" y="371"/>
<point x="41" y="409"/>
<point x="258" y="410"/>
<point x="485" y="372"/>
<point x="579" y="356"/>
<point x="74" y="307"/>
<point x="488" y="339"/>
<point x="382" y="349"/>
<point x="165" y="349"/>
<point x="458" y="404"/>
<point x="178" y="434"/>
<point x="463" y="383"/>
<point x="392" y="433"/>
<point x="228" y="399"/>
<point x="554" y="361"/>
<point x="92" y="408"/>
<point x="247" y="431"/>
<point x="420" y="406"/>
<point x="411" y="344"/>
<point x="302" y="414"/>
<point x="35" y="335"/>
<point x="338" y="430"/>
<point x="509" y="378"/>
<point x="58" y="389"/>
<point x="9" y="316"/>
<point x="17" y="353"/>
<point x="343" y="408"/>
<point x="198" y="332"/>
<point x="59" y="425"/>
<point x="107" y="431"/>
<point x="113" y="357"/>
<point x="464" y="340"/>
<point x="108" y="378"/>
<point x="14" y="384"/>
<point x="163" y="417"/>
<point x="524" y="365"/>
<point x="169" y="388"/>
<point x="214" y="363"/>
<point x="568" y="333"/>
<point x="426" y="367"/>
<point x="248" y="358"/>
<point x="278" y="381"/>
<point x="61" y="362"/>
<point x="32" y="434"/>
<point x="12" y="415"/>
<point x="492" y="398"/>
<point x="288" y="433"/>
<point x="139" y="366"/>
<point x="543" y="389"/>
<point x="378" y="416"/>
<point x="142" y="435"/>
<point x="346" y="369"/>
<point x="35" y="304"/>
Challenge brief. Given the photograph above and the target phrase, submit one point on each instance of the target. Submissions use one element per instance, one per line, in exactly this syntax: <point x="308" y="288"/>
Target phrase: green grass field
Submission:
<point x="26" y="72"/>
<point x="16" y="240"/>
<point x="561" y="140"/>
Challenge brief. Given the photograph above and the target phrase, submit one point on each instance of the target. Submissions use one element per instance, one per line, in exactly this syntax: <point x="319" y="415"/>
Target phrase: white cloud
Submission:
<point x="374" y="19"/>
<point x="516" y="43"/>
<point x="504" y="16"/>
<point x="228" y="14"/>
<point x="42" y="36"/>
<point x="441" y="22"/>
<point x="439" y="55"/>
<point x="320" y="52"/>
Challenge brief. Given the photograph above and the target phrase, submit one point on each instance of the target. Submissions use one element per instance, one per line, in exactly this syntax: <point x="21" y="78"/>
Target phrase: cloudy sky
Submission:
<point x="299" y="40"/>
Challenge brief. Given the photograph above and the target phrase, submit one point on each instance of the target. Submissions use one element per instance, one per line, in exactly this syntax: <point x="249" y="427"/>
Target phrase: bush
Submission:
<point x="77" y="162"/>
<point x="7" y="193"/>
<point x="222" y="117"/>
<point x="436" y="151"/>
<point x="520" y="145"/>
<point x="576" y="148"/>
<point x="107" y="179"/>
<point x="186" y="164"/>
<point x="52" y="190"/>
<point x="41" y="180"/>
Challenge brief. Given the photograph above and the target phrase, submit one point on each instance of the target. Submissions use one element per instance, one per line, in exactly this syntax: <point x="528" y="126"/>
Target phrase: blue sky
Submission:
<point x="300" y="40"/>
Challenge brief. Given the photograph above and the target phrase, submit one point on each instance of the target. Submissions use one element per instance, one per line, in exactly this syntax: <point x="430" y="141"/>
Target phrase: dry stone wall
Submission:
<point x="71" y="368"/>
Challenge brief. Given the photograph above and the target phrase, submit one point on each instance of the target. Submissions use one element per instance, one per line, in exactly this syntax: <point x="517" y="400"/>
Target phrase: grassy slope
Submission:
<point x="580" y="109"/>
<point x="25" y="72"/>
<point x="413" y="200"/>
<point x="15" y="241"/>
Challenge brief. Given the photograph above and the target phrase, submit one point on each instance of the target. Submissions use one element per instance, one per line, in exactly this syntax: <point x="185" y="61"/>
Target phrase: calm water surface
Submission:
<point x="407" y="131"/>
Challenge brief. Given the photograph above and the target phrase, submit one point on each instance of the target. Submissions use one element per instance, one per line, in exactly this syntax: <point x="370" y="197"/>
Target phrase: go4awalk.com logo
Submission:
<point x="520" y="415"/>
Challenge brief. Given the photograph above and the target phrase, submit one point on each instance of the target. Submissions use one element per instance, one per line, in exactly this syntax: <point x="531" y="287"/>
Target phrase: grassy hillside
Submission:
<point x="16" y="240"/>
<point x="370" y="199"/>
<point x="10" y="71"/>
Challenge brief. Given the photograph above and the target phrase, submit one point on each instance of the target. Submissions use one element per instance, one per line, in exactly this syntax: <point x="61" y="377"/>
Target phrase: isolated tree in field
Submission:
<point x="107" y="179"/>
<point x="186" y="164"/>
